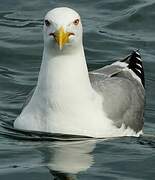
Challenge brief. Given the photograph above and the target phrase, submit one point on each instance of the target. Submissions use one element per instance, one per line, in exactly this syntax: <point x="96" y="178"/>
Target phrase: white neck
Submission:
<point x="64" y="75"/>
<point x="64" y="97"/>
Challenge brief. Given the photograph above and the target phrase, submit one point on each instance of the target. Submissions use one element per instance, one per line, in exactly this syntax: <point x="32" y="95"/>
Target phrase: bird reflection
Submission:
<point x="62" y="176"/>
<point x="66" y="159"/>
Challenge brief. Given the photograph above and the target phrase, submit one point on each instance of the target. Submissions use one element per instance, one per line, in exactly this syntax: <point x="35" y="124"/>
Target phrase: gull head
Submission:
<point x="62" y="29"/>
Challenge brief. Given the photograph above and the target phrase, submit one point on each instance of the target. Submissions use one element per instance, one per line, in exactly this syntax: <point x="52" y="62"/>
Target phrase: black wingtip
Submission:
<point x="134" y="62"/>
<point x="136" y="65"/>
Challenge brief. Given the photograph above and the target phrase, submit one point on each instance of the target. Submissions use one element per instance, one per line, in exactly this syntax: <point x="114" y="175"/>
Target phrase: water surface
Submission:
<point x="112" y="29"/>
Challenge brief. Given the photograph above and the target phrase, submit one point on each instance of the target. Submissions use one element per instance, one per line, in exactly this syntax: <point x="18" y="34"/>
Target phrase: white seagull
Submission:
<point x="107" y="102"/>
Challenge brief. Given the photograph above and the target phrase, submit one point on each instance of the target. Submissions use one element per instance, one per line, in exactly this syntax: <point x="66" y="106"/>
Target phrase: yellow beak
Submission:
<point x="61" y="37"/>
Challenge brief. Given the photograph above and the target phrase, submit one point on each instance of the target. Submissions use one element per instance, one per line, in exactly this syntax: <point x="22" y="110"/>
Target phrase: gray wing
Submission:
<point x="122" y="87"/>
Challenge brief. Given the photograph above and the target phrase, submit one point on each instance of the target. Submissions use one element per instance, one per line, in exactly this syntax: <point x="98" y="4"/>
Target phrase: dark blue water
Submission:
<point x="112" y="29"/>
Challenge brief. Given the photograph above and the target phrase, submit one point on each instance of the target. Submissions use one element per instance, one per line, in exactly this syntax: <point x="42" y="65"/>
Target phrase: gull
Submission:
<point x="107" y="102"/>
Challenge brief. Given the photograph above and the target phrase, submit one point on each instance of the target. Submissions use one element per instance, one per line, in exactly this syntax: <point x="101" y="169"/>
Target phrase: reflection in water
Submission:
<point x="62" y="176"/>
<point x="64" y="160"/>
<point x="64" y="155"/>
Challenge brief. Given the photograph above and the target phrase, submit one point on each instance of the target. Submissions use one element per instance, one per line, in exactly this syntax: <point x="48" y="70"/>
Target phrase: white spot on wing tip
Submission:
<point x="138" y="70"/>
<point x="137" y="53"/>
<point x="139" y="59"/>
<point x="139" y="65"/>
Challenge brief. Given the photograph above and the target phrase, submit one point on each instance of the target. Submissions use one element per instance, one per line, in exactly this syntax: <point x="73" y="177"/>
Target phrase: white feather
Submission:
<point x="64" y="100"/>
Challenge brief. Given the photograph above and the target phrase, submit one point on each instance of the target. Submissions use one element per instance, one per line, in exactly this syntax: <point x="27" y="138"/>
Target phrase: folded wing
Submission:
<point x="121" y="85"/>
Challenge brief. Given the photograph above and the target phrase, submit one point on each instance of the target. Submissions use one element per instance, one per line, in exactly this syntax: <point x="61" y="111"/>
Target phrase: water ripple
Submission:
<point x="112" y="29"/>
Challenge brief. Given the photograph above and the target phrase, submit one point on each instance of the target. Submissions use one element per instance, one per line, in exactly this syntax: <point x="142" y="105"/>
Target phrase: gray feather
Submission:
<point x="123" y="95"/>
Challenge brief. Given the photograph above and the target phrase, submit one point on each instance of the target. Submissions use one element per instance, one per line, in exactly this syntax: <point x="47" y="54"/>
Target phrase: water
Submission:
<point x="113" y="28"/>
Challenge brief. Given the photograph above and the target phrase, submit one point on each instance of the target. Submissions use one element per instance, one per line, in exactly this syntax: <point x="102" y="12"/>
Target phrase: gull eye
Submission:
<point x="47" y="22"/>
<point x="76" y="22"/>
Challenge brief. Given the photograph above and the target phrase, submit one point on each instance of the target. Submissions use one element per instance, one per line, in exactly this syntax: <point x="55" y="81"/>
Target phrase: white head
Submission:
<point x="62" y="29"/>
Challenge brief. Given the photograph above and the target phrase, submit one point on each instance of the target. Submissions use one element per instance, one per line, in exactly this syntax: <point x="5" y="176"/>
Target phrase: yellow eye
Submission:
<point x="76" y="22"/>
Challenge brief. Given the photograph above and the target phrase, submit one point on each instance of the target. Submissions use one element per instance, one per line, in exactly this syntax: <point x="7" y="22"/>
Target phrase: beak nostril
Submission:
<point x="61" y="37"/>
